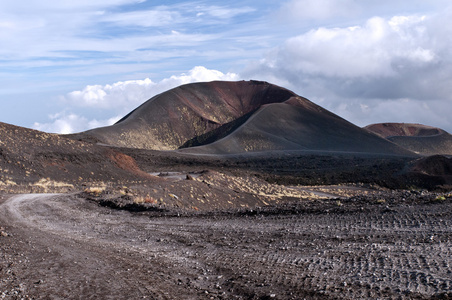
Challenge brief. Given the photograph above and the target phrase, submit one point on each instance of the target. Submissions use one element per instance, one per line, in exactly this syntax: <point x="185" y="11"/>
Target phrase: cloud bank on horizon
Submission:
<point x="88" y="63"/>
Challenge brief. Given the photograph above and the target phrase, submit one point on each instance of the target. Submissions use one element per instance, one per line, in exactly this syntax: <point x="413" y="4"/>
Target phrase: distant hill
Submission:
<point x="236" y="117"/>
<point x="422" y="139"/>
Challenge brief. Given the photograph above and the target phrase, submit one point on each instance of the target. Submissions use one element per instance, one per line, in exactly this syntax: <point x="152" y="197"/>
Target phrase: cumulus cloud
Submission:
<point x="65" y="123"/>
<point x="367" y="72"/>
<point x="126" y="95"/>
<point x="378" y="48"/>
<point x="120" y="98"/>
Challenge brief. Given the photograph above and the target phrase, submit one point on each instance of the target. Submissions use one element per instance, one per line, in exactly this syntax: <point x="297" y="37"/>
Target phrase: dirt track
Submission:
<point x="59" y="246"/>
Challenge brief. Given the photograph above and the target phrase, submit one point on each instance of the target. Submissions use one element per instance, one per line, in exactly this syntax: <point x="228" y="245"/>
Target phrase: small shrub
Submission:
<point x="440" y="198"/>
<point x="95" y="190"/>
<point x="144" y="199"/>
<point x="138" y="199"/>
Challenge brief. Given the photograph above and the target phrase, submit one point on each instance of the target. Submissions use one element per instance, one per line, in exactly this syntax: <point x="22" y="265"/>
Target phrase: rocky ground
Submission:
<point x="386" y="244"/>
<point x="348" y="215"/>
<point x="133" y="223"/>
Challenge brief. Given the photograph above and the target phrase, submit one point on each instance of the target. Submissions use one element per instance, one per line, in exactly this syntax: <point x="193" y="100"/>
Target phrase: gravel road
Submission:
<point x="63" y="247"/>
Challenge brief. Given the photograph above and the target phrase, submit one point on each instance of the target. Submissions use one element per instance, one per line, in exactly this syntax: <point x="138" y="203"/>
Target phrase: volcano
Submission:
<point x="236" y="117"/>
<point x="168" y="120"/>
<point x="418" y="138"/>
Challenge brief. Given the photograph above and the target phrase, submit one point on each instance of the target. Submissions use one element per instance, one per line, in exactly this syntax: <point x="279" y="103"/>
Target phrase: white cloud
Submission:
<point x="77" y="30"/>
<point x="120" y="98"/>
<point x="69" y="123"/>
<point x="104" y="26"/>
<point x="125" y="95"/>
<point x="346" y="11"/>
<point x="370" y="50"/>
<point x="395" y="68"/>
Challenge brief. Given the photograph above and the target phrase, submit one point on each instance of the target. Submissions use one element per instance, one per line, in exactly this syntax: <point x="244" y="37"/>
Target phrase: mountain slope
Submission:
<point x="298" y="124"/>
<point x="168" y="120"/>
<point x="29" y="156"/>
<point x="422" y="139"/>
<point x="236" y="117"/>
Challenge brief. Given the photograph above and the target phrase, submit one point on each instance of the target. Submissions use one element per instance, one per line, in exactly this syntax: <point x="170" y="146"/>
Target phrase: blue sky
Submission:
<point x="66" y="66"/>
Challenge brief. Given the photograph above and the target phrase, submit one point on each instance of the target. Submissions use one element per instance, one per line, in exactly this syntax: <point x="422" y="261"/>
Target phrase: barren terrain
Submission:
<point x="62" y="246"/>
<point x="226" y="190"/>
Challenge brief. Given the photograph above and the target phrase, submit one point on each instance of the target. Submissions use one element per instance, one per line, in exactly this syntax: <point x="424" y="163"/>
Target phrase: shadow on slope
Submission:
<point x="170" y="119"/>
<point x="298" y="124"/>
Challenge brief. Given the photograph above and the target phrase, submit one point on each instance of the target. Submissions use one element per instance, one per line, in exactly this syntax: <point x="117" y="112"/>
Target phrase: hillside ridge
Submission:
<point x="202" y="114"/>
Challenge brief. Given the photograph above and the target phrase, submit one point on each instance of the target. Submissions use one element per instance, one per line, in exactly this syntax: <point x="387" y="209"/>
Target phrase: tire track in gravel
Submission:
<point x="77" y="249"/>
